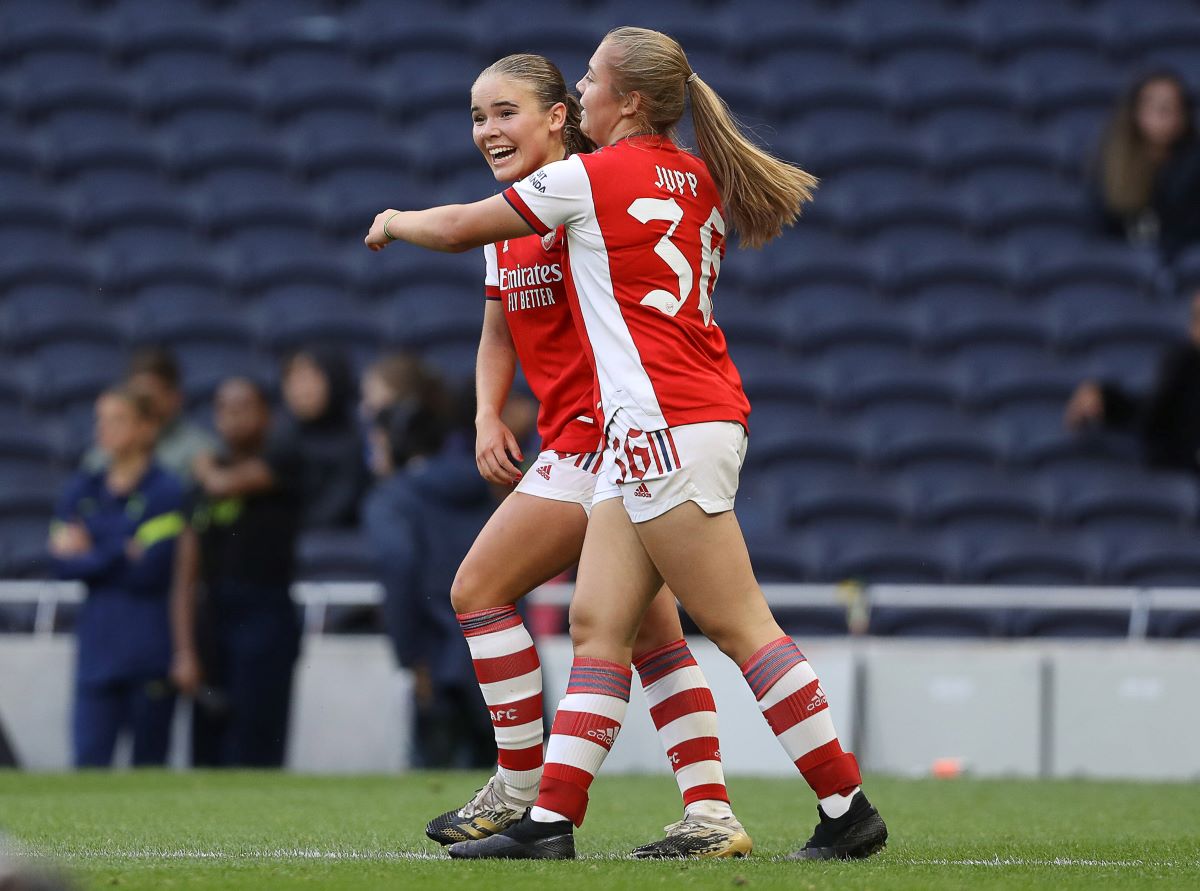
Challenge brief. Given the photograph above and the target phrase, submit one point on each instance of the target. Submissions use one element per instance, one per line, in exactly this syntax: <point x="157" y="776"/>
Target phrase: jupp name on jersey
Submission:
<point x="674" y="180"/>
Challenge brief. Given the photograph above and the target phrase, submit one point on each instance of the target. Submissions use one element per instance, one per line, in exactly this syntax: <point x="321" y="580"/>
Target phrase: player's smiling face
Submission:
<point x="607" y="114"/>
<point x="509" y="126"/>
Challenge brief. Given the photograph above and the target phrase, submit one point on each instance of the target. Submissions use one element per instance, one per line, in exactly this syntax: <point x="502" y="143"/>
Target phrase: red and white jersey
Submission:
<point x="645" y="237"/>
<point x="527" y="276"/>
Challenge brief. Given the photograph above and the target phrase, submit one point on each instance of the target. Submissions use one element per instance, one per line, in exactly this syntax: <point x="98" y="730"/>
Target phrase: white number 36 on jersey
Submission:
<point x="668" y="210"/>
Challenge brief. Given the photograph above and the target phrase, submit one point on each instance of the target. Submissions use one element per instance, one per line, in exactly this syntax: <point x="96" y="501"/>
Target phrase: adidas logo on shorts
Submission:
<point x="641" y="491"/>
<point x="544" y="472"/>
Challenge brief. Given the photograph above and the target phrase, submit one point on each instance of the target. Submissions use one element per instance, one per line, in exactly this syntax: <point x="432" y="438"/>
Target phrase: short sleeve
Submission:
<point x="491" y="273"/>
<point x="558" y="194"/>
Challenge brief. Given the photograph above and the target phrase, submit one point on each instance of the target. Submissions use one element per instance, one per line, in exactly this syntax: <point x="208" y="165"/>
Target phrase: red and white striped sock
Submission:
<point x="683" y="710"/>
<point x="791" y="699"/>
<point x="585" y="727"/>
<point x="510" y="676"/>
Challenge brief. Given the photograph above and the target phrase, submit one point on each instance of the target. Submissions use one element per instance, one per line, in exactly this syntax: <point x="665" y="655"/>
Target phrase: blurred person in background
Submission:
<point x="115" y="529"/>
<point x="318" y="394"/>
<point x="236" y="628"/>
<point x="397" y="378"/>
<point x="1147" y="188"/>
<point x="1166" y="420"/>
<point x="154" y="373"/>
<point x="426" y="507"/>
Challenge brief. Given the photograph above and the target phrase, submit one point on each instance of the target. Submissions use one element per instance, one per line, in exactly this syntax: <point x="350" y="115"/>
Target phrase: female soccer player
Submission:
<point x="645" y="225"/>
<point x="524" y="118"/>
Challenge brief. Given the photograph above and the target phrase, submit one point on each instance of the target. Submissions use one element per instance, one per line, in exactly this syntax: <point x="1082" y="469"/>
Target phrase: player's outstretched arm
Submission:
<point x="453" y="228"/>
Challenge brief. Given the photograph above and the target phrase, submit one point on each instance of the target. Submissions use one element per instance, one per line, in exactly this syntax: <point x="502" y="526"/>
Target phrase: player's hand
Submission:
<point x="186" y="673"/>
<point x="1085" y="407"/>
<point x="495" y="448"/>
<point x="376" y="240"/>
<point x="70" y="540"/>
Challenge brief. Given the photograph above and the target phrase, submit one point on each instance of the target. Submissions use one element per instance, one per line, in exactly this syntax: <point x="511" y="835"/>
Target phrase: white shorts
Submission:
<point x="560" y="476"/>
<point x="655" y="471"/>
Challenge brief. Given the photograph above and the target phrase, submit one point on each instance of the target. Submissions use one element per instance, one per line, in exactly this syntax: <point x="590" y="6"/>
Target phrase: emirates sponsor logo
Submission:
<point x="544" y="472"/>
<point x="642" y="491"/>
<point x="530" y="276"/>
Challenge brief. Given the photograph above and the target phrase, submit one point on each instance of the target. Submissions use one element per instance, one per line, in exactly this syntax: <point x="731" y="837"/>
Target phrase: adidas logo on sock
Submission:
<point x="606" y="736"/>
<point x="641" y="491"/>
<point x="544" y="472"/>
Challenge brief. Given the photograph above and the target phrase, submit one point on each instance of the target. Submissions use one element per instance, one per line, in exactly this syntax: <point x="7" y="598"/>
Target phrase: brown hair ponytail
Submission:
<point x="762" y="194"/>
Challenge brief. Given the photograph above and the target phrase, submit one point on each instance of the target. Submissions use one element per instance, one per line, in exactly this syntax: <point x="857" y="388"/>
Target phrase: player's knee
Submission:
<point x="466" y="593"/>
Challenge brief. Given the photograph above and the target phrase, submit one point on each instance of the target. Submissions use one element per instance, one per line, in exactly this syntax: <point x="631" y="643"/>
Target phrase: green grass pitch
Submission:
<point x="261" y="831"/>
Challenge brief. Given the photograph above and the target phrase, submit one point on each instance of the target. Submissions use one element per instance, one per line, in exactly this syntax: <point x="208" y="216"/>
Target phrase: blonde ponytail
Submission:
<point x="761" y="193"/>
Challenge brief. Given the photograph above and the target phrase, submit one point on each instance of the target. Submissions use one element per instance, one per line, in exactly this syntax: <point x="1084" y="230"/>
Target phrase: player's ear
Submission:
<point x="630" y="103"/>
<point x="558" y="116"/>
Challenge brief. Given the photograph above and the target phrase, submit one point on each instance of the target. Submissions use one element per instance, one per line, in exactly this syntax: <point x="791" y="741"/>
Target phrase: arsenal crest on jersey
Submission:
<point x="548" y="239"/>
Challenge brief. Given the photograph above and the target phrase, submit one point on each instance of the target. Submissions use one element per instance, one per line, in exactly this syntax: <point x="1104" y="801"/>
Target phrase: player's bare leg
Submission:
<point x="704" y="560"/>
<point x="525" y="543"/>
<point x="618" y="591"/>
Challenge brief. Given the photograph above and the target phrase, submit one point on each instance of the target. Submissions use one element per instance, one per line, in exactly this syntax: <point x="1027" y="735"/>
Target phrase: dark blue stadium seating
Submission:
<point x="199" y="173"/>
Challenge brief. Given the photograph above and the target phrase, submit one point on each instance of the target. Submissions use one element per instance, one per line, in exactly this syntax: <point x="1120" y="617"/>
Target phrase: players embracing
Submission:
<point x="645" y="226"/>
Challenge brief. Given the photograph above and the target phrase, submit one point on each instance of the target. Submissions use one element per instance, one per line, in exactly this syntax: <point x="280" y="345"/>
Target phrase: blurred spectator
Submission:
<point x="318" y="392"/>
<point x="1148" y="187"/>
<point x="1167" y="420"/>
<point x="154" y="373"/>
<point x="115" y="529"/>
<point x="426" y="508"/>
<point x="395" y="378"/>
<point x="236" y="628"/>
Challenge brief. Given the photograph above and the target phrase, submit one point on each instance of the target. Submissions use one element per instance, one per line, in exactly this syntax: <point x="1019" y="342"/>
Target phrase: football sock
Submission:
<point x="836" y="805"/>
<point x="791" y="699"/>
<point x="510" y="676"/>
<point x="683" y="710"/>
<point x="585" y="727"/>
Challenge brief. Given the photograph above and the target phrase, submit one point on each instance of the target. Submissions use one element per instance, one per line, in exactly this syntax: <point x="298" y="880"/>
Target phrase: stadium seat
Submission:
<point x="821" y="329"/>
<point x="1120" y="508"/>
<point x="172" y="314"/>
<point x="29" y="488"/>
<point x="838" y="504"/>
<point x="831" y="447"/>
<point x="332" y="555"/>
<point x="865" y="211"/>
<point x="1106" y="265"/>
<point x="1009" y="29"/>
<point x="62" y="373"/>
<point x="979" y="504"/>
<point x="948" y="446"/>
<point x="1157" y="560"/>
<point x="946" y="263"/>
<point x="885" y="29"/>
<point x="954" y="622"/>
<point x="922" y="81"/>
<point x="297" y="314"/>
<point x="1177" y="623"/>
<point x="23" y="553"/>
<point x="204" y="107"/>
<point x="1037" y="558"/>
<point x="204" y="364"/>
<point x="1086" y="623"/>
<point x="973" y="326"/>
<point x="925" y="393"/>
<point x="891" y="557"/>
<point x="432" y="315"/>
<point x="34" y="316"/>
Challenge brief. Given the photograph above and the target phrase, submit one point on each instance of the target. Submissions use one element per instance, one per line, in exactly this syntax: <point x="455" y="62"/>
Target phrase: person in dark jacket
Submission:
<point x="425" y="510"/>
<point x="1147" y="190"/>
<point x="236" y="623"/>
<point x="318" y="392"/>
<point x="115" y="529"/>
<point x="1167" y="420"/>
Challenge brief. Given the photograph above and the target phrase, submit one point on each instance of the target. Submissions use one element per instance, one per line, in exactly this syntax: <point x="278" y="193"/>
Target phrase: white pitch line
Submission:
<point x="1056" y="861"/>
